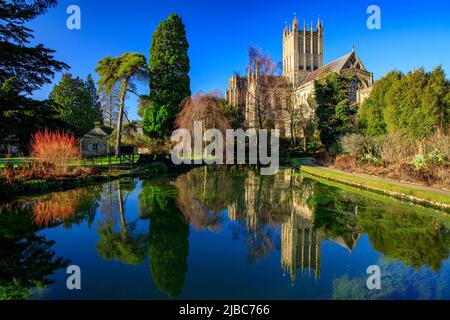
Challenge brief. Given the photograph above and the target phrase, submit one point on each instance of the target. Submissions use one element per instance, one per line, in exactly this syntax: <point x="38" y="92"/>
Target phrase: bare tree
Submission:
<point x="205" y="108"/>
<point x="269" y="89"/>
<point x="110" y="106"/>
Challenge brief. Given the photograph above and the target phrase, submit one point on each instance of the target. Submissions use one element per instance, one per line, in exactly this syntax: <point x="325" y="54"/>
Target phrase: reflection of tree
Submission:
<point x="26" y="259"/>
<point x="68" y="207"/>
<point x="168" y="239"/>
<point x="335" y="215"/>
<point x="204" y="194"/>
<point x="412" y="234"/>
<point x="397" y="282"/>
<point x="125" y="245"/>
<point x="406" y="234"/>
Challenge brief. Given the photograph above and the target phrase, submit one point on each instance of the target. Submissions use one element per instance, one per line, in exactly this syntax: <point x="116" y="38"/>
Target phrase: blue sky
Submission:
<point x="413" y="34"/>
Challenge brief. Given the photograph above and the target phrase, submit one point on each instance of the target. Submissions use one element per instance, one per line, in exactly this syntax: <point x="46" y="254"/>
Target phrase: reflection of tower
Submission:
<point x="300" y="244"/>
<point x="232" y="211"/>
<point x="251" y="199"/>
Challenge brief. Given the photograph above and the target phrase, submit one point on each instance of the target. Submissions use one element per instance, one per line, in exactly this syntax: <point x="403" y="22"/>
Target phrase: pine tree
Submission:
<point x="93" y="99"/>
<point x="24" y="68"/>
<point x="121" y="71"/>
<point x="77" y="103"/>
<point x="169" y="76"/>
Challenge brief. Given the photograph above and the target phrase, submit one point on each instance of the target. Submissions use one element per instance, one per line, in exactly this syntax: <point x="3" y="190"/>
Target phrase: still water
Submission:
<point x="213" y="234"/>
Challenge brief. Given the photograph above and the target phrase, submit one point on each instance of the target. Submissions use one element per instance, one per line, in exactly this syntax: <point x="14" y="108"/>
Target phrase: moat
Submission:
<point x="222" y="234"/>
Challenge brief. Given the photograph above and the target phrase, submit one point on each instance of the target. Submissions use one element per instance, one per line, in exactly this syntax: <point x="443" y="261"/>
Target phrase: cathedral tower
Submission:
<point x="302" y="51"/>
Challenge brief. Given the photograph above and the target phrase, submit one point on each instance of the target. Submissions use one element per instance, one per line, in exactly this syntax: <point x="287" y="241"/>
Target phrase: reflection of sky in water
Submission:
<point x="235" y="250"/>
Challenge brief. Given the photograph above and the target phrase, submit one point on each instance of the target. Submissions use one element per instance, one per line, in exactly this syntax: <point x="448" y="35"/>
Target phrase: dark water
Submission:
<point x="222" y="234"/>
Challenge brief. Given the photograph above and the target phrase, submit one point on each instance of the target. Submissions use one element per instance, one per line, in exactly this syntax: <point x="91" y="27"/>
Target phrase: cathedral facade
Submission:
<point x="288" y="94"/>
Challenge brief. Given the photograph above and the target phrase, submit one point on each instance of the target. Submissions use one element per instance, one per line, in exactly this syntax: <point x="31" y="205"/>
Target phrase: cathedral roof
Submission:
<point x="334" y="66"/>
<point x="271" y="81"/>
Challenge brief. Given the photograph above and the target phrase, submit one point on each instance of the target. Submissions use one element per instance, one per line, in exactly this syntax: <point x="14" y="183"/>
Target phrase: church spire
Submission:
<point x="295" y="24"/>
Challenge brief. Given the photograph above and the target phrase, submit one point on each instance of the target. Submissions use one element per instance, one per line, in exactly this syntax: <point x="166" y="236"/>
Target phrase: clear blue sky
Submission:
<point x="413" y="33"/>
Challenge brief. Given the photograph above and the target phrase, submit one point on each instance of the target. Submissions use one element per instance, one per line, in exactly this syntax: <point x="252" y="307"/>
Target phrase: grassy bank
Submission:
<point x="413" y="193"/>
<point x="36" y="187"/>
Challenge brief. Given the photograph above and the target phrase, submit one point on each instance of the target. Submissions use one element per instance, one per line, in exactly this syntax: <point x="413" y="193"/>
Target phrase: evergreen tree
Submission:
<point x="416" y="104"/>
<point x="371" y="114"/>
<point x="121" y="71"/>
<point x="335" y="115"/>
<point x="169" y="76"/>
<point x="77" y="103"/>
<point x="93" y="101"/>
<point x="24" y="68"/>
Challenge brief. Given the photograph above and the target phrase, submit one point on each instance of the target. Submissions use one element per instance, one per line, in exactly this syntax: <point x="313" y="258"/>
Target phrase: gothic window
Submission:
<point x="352" y="93"/>
<point x="95" y="147"/>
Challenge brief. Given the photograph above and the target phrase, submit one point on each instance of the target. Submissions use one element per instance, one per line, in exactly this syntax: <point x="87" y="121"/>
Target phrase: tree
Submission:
<point x="110" y="106"/>
<point x="24" y="69"/>
<point x="267" y="96"/>
<point x="93" y="98"/>
<point x="205" y="108"/>
<point x="416" y="104"/>
<point x="335" y="115"/>
<point x="77" y="103"/>
<point x="123" y="71"/>
<point x="169" y="77"/>
<point x="371" y="114"/>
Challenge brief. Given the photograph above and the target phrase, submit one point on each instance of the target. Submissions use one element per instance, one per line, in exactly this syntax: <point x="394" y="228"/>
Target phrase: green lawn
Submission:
<point x="100" y="161"/>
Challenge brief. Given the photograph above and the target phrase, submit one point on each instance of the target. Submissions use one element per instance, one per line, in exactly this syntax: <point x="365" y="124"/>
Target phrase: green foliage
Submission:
<point x="121" y="71"/>
<point x="334" y="113"/>
<point x="371" y="113"/>
<point x="355" y="144"/>
<point x="169" y="77"/>
<point x="416" y="104"/>
<point x="373" y="160"/>
<point x="419" y="162"/>
<point x="24" y="68"/>
<point x="27" y="260"/>
<point x="168" y="239"/>
<point x="77" y="103"/>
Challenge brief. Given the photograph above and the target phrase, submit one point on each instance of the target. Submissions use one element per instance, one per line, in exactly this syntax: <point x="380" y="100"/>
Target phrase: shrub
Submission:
<point x="371" y="159"/>
<point x="346" y="162"/>
<point x="438" y="142"/>
<point x="419" y="162"/>
<point x="436" y="157"/>
<point x="397" y="149"/>
<point x="55" y="148"/>
<point x="355" y="144"/>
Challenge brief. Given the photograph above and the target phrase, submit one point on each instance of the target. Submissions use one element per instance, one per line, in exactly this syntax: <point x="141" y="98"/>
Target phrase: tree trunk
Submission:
<point x="119" y="122"/>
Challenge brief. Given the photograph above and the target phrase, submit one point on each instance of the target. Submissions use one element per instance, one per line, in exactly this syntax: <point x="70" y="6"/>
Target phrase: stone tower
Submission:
<point x="302" y="51"/>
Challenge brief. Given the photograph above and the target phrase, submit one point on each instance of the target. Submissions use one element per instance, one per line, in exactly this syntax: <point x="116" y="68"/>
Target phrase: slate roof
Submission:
<point x="96" y="132"/>
<point x="333" y="66"/>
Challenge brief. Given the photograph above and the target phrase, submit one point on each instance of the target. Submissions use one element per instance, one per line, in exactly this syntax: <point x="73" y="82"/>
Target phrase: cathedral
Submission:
<point x="289" y="93"/>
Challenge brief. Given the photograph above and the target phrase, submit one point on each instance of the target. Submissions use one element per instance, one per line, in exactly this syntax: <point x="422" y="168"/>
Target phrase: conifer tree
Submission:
<point x="169" y="77"/>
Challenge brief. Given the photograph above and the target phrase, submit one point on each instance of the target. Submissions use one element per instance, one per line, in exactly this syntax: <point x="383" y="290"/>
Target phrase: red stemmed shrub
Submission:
<point x="56" y="149"/>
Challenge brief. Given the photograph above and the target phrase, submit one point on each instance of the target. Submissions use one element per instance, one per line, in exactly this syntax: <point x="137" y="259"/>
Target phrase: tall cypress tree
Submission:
<point x="169" y="76"/>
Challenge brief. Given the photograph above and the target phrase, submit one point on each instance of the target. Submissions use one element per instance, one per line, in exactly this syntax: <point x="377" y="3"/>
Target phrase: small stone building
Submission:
<point x="94" y="143"/>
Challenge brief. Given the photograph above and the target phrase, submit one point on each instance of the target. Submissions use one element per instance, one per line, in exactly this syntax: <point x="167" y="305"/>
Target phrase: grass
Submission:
<point x="414" y="193"/>
<point x="99" y="161"/>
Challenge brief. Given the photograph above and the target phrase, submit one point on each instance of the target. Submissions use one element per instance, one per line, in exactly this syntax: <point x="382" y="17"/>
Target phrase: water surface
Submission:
<point x="213" y="234"/>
